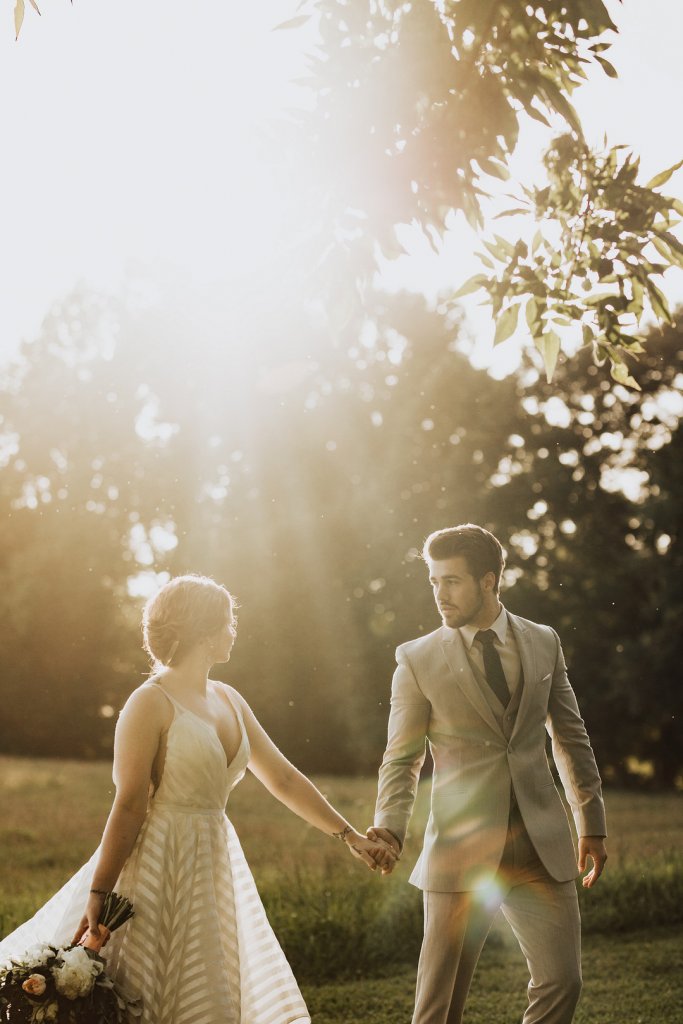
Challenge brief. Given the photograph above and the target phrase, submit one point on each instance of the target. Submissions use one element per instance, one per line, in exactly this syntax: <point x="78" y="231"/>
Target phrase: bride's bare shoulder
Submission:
<point x="147" y="699"/>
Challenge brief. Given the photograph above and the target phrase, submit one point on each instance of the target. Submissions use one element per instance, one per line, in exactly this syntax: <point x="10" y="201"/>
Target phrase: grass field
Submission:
<point x="353" y="938"/>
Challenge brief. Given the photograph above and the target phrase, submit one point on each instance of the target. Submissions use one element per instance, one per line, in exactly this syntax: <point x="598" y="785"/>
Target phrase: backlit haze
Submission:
<point x="131" y="148"/>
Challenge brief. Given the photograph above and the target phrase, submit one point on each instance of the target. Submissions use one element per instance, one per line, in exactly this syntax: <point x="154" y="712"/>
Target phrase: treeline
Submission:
<point x="305" y="476"/>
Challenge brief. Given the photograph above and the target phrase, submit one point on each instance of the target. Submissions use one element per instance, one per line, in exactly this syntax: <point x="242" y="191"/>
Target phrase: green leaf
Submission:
<point x="432" y="236"/>
<point x="608" y="68"/>
<point x="537" y="115"/>
<point x="494" y="167"/>
<point x="561" y="104"/>
<point x="600" y="354"/>
<point x="664" y="249"/>
<point x="504" y="245"/>
<point x="663" y="176"/>
<point x="293" y="22"/>
<point x="619" y="373"/>
<point x="549" y="346"/>
<point x="472" y="284"/>
<point x="658" y="301"/>
<point x="485" y="260"/>
<point x="495" y="251"/>
<point x="635" y="306"/>
<point x="18" y="16"/>
<point x="511" y="213"/>
<point x="532" y="313"/>
<point x="671" y="241"/>
<point x="506" y="324"/>
<point x="600" y="297"/>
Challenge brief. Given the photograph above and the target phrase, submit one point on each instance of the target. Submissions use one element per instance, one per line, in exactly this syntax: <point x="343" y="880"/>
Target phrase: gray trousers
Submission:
<point x="544" y="916"/>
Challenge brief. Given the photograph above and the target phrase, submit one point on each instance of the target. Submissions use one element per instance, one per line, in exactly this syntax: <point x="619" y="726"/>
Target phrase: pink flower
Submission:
<point x="34" y="985"/>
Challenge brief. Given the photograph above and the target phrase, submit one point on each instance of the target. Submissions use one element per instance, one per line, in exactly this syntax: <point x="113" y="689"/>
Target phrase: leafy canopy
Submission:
<point x="418" y="106"/>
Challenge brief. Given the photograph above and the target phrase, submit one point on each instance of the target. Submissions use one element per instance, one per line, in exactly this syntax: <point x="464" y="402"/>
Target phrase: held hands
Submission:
<point x="593" y="847"/>
<point x="388" y="839"/>
<point x="374" y="852"/>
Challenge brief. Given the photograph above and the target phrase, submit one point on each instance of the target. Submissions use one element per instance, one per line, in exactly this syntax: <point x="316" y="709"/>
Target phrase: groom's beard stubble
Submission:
<point x="455" y="618"/>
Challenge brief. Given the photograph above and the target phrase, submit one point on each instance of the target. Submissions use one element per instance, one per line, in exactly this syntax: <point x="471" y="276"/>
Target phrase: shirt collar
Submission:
<point x="499" y="627"/>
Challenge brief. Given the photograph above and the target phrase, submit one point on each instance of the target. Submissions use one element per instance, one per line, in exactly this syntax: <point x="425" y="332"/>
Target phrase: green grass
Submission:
<point x="633" y="979"/>
<point x="350" y="935"/>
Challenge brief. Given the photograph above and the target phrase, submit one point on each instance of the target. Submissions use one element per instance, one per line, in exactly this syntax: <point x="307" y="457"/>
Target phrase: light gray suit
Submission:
<point x="494" y="807"/>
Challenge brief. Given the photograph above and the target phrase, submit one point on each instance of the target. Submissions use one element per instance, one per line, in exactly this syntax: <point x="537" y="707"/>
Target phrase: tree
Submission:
<point x="417" y="109"/>
<point x="600" y="552"/>
<point x="136" y="444"/>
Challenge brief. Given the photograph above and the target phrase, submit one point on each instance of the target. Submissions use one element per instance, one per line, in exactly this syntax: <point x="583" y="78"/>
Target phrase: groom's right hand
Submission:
<point x="384" y="835"/>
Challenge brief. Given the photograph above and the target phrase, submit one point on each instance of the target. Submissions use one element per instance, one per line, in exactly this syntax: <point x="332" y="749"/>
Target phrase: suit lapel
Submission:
<point x="528" y="658"/>
<point x="458" y="662"/>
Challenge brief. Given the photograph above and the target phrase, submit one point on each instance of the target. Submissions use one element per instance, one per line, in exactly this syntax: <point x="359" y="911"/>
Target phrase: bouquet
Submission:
<point x="68" y="984"/>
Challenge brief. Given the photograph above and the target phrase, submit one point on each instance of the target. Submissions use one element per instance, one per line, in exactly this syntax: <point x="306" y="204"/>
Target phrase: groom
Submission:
<point x="482" y="690"/>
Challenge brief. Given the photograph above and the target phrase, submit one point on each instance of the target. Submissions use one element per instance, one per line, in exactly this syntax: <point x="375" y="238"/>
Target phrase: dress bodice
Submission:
<point x="197" y="776"/>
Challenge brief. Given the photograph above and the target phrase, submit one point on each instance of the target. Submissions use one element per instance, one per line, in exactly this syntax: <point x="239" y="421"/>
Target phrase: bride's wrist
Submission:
<point x="346" y="833"/>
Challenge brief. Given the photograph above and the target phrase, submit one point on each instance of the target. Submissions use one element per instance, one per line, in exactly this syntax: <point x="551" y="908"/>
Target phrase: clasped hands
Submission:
<point x="378" y="849"/>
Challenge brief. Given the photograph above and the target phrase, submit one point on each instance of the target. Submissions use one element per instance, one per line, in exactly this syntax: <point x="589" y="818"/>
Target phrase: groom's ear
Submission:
<point x="488" y="581"/>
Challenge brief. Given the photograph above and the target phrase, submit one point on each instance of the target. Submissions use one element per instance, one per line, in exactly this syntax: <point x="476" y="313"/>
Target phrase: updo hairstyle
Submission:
<point x="184" y="612"/>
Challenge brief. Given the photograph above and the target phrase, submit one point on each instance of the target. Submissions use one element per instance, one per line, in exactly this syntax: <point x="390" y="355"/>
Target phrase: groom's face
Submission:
<point x="458" y="595"/>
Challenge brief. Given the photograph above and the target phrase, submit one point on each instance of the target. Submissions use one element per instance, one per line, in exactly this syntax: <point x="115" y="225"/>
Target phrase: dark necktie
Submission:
<point x="495" y="676"/>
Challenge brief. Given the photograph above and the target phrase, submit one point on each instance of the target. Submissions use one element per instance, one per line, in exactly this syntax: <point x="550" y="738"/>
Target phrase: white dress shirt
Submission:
<point x="505" y="644"/>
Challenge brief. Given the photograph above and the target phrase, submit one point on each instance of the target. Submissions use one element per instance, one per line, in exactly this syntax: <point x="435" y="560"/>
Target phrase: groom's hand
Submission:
<point x="593" y="847"/>
<point x="385" y="836"/>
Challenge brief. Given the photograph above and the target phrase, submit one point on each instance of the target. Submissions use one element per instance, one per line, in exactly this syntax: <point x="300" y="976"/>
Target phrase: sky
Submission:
<point x="129" y="144"/>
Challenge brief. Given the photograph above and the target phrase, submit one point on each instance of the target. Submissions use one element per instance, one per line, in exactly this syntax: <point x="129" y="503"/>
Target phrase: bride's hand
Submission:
<point x="91" y="918"/>
<point x="374" y="853"/>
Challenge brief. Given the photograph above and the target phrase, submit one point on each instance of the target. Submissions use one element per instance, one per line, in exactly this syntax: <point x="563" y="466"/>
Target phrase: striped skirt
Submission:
<point x="199" y="949"/>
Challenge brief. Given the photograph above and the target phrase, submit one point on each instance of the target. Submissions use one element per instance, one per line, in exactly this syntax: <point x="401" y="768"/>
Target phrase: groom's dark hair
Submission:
<point x="481" y="550"/>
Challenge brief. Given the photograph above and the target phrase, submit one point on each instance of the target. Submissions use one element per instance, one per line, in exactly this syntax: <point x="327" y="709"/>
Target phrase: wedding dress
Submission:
<point x="199" y="949"/>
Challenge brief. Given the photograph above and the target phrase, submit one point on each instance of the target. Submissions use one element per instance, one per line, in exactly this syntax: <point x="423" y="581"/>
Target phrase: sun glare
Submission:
<point x="152" y="149"/>
<point x="155" y="121"/>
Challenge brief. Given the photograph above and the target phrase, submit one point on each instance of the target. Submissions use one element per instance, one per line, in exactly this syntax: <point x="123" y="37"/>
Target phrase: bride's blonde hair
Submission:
<point x="184" y="612"/>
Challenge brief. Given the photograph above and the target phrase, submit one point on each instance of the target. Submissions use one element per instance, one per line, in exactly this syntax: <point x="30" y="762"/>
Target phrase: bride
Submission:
<point x="199" y="949"/>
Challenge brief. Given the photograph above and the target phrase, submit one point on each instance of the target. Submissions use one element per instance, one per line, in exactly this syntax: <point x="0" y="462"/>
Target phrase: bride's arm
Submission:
<point x="288" y="785"/>
<point x="136" y="741"/>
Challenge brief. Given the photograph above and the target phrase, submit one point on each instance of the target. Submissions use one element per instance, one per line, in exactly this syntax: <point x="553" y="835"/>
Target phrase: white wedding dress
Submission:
<point x="199" y="949"/>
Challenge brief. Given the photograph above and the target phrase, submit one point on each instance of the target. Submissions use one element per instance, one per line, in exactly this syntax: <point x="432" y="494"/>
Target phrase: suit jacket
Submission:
<point x="435" y="697"/>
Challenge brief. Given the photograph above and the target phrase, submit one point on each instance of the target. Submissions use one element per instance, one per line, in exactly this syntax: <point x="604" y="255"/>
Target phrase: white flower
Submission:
<point x="76" y="973"/>
<point x="39" y="954"/>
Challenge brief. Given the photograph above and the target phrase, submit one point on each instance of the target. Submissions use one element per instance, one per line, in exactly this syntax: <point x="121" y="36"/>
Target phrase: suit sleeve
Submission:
<point x="573" y="753"/>
<point x="405" y="752"/>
